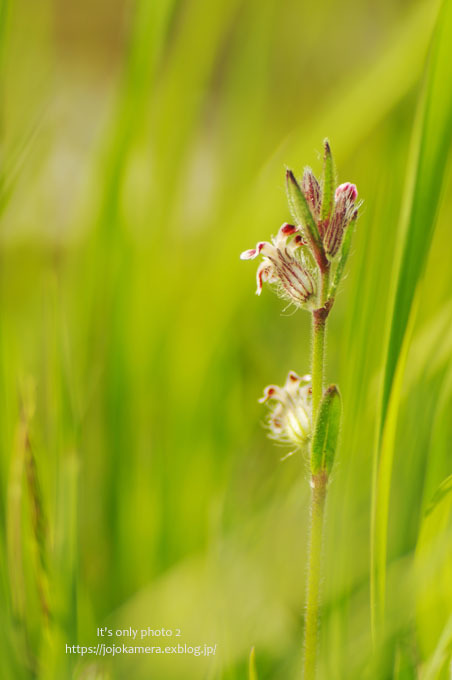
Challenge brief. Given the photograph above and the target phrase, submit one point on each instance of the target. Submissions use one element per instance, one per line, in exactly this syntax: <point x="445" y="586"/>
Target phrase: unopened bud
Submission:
<point x="312" y="192"/>
<point x="345" y="210"/>
<point x="347" y="189"/>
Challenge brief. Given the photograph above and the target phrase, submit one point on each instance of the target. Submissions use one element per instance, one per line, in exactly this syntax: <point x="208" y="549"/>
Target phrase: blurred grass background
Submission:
<point x="143" y="148"/>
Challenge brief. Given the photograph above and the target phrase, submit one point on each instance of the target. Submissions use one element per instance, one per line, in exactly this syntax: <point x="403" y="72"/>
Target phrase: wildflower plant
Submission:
<point x="304" y="263"/>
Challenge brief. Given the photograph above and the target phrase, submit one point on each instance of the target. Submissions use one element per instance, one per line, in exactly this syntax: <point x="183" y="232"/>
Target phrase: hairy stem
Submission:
<point x="319" y="319"/>
<point x="318" y="492"/>
<point x="317" y="509"/>
<point x="317" y="360"/>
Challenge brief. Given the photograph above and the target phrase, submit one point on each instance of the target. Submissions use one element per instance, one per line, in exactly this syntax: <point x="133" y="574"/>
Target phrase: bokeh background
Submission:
<point x="143" y="148"/>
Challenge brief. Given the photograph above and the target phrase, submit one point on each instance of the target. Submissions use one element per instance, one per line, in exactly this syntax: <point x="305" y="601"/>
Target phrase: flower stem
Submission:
<point x="317" y="509"/>
<point x="319" y="484"/>
<point x="319" y="318"/>
<point x="318" y="360"/>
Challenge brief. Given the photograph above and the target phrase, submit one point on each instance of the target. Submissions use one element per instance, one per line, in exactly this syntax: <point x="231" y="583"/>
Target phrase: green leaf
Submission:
<point x="441" y="654"/>
<point x="301" y="212"/>
<point x="329" y="181"/>
<point x="404" y="664"/>
<point x="431" y="142"/>
<point x="252" y="674"/>
<point x="326" y="434"/>
<point x="431" y="145"/>
<point x="432" y="569"/>
<point x="444" y="488"/>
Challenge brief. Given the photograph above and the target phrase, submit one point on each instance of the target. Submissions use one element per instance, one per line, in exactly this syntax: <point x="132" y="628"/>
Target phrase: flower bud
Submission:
<point x="312" y="192"/>
<point x="345" y="210"/>
<point x="348" y="189"/>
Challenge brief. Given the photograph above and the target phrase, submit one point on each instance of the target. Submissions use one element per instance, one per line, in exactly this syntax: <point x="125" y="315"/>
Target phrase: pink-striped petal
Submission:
<point x="264" y="273"/>
<point x="349" y="189"/>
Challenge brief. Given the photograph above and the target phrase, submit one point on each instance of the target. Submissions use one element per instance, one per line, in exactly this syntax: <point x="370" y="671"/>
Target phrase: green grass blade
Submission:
<point x="382" y="487"/>
<point x="440" y="655"/>
<point x="430" y="149"/>
<point x="404" y="666"/>
<point x="252" y="675"/>
<point x="431" y="143"/>
<point x="14" y="523"/>
<point x="433" y="565"/>
<point x="444" y="488"/>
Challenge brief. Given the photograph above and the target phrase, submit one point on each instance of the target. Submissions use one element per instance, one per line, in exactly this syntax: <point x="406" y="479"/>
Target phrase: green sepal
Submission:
<point x="343" y="257"/>
<point x="252" y="672"/>
<point x="301" y="212"/>
<point x="326" y="432"/>
<point x="329" y="183"/>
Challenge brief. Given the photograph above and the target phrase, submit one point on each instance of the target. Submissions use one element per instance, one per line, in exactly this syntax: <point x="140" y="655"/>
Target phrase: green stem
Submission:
<point x="319" y="484"/>
<point x="318" y="499"/>
<point x="317" y="361"/>
<point x="319" y="317"/>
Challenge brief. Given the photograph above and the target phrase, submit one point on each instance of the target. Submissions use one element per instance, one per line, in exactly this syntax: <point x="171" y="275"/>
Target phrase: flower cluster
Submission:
<point x="301" y="254"/>
<point x="289" y="419"/>
<point x="305" y="262"/>
<point x="286" y="264"/>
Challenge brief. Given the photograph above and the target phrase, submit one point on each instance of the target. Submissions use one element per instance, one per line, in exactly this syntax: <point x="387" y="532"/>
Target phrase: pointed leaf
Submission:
<point x="301" y="213"/>
<point x="329" y="181"/>
<point x="326" y="433"/>
<point x="252" y="674"/>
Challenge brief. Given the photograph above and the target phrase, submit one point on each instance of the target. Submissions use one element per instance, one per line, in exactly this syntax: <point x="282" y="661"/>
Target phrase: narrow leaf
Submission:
<point x="301" y="212"/>
<point x="14" y="534"/>
<point x="326" y="433"/>
<point x="404" y="665"/>
<point x="431" y="145"/>
<point x="444" y="488"/>
<point x="440" y="656"/>
<point x="431" y="142"/>
<point x="382" y="488"/>
<point x="252" y="674"/>
<point x="329" y="181"/>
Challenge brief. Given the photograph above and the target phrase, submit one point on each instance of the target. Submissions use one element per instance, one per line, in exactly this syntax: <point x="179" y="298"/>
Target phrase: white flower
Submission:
<point x="286" y="264"/>
<point x="290" y="416"/>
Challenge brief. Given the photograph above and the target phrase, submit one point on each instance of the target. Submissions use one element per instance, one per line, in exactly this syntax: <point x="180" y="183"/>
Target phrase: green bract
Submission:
<point x="326" y="431"/>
